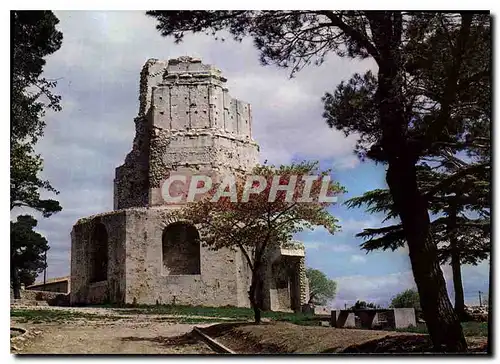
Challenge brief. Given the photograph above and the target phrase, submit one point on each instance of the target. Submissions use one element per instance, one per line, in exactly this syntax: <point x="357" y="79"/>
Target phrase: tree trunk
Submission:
<point x="254" y="294"/>
<point x="402" y="154"/>
<point x="457" y="284"/>
<point x="257" y="314"/>
<point x="455" y="261"/>
<point x="442" y="322"/>
<point x="16" y="286"/>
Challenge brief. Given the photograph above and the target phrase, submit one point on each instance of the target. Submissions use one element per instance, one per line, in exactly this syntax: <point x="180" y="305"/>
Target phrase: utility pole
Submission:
<point x="45" y="270"/>
<point x="480" y="303"/>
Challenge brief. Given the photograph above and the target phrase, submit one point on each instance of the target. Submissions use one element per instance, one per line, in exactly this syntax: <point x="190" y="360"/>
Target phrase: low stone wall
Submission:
<point x="38" y="295"/>
<point x="26" y="303"/>
<point x="396" y="318"/>
<point x="52" y="298"/>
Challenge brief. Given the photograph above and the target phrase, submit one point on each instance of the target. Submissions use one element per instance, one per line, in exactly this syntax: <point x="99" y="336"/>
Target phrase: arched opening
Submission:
<point x="99" y="256"/>
<point x="181" y="249"/>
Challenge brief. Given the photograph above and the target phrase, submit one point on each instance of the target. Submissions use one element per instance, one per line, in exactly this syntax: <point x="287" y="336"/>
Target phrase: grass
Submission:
<point x="44" y="316"/>
<point x="470" y="328"/>
<point x="189" y="320"/>
<point x="186" y="314"/>
<point x="236" y="313"/>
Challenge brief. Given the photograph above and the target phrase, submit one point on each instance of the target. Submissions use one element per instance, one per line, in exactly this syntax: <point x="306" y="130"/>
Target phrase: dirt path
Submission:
<point x="113" y="337"/>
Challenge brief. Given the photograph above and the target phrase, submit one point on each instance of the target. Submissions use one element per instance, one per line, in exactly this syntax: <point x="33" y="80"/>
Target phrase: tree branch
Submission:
<point x="352" y="33"/>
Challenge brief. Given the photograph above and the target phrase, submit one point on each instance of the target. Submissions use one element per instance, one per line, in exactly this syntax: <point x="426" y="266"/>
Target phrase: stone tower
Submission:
<point x="187" y="123"/>
<point x="138" y="253"/>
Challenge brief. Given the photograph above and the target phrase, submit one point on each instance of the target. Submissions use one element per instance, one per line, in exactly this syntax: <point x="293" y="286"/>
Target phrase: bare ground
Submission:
<point x="111" y="337"/>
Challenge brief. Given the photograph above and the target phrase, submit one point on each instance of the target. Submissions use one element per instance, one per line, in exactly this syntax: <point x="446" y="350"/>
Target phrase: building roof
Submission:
<point x="49" y="281"/>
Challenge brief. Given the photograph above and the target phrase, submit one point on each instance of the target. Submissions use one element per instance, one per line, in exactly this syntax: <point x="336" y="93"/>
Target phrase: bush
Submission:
<point x="406" y="299"/>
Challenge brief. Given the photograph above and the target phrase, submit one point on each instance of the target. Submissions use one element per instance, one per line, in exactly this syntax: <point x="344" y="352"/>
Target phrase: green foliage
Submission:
<point x="28" y="249"/>
<point x="289" y="39"/>
<point x="471" y="328"/>
<point x="259" y="224"/>
<point x="27" y="276"/>
<point x="34" y="37"/>
<point x="456" y="204"/>
<point x="406" y="299"/>
<point x="363" y="305"/>
<point x="167" y="313"/>
<point x="54" y="316"/>
<point x="321" y="289"/>
<point x="225" y="312"/>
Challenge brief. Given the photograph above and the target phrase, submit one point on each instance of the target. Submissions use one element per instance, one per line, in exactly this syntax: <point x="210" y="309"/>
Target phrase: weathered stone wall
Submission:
<point x="33" y="295"/>
<point x="113" y="289"/>
<point x="147" y="283"/>
<point x="131" y="184"/>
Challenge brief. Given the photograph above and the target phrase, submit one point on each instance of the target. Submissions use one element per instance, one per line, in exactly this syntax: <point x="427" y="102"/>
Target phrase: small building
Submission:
<point x="60" y="284"/>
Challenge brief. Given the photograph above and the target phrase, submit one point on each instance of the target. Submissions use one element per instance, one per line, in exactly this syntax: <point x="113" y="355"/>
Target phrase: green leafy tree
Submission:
<point x="321" y="288"/>
<point x="27" y="249"/>
<point x="260" y="224"/>
<point x="406" y="299"/>
<point x="397" y="117"/>
<point x="28" y="277"/>
<point x="34" y="36"/>
<point x="360" y="305"/>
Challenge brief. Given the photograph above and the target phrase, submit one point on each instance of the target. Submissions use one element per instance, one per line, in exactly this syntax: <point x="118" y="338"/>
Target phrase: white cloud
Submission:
<point x="340" y="248"/>
<point x="353" y="226"/>
<point x="378" y="289"/>
<point x="357" y="259"/>
<point x="313" y="245"/>
<point x="346" y="162"/>
<point x="327" y="246"/>
<point x="381" y="289"/>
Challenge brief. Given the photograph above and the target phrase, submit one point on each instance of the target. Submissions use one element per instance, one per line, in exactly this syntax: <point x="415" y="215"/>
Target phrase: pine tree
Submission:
<point x="27" y="249"/>
<point x="34" y="36"/>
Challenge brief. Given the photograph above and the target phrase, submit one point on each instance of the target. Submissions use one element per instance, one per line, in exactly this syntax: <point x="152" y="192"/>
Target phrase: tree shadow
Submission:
<point x="240" y="342"/>
<point x="185" y="339"/>
<point x="224" y="328"/>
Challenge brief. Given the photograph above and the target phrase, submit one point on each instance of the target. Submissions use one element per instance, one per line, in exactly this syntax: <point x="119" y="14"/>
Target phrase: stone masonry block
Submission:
<point x="404" y="317"/>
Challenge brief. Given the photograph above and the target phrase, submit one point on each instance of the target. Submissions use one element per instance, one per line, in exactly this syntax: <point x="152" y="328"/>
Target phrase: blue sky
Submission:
<point x="98" y="71"/>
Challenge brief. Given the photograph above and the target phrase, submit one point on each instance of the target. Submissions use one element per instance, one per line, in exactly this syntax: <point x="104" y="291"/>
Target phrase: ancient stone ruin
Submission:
<point x="138" y="253"/>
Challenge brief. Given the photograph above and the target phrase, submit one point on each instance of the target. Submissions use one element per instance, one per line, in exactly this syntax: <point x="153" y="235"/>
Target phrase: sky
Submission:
<point x="98" y="68"/>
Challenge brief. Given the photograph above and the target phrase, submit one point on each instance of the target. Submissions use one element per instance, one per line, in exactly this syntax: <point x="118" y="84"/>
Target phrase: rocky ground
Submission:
<point x="103" y="331"/>
<point x="113" y="338"/>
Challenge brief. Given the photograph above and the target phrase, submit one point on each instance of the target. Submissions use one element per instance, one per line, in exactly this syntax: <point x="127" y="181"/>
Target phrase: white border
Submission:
<point x="121" y="5"/>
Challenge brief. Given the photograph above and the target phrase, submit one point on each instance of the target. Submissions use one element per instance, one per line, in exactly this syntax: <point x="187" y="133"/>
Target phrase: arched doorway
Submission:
<point x="181" y="249"/>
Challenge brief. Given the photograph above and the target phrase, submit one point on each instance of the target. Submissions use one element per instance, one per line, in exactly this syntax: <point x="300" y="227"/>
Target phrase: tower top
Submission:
<point x="187" y="122"/>
<point x="183" y="70"/>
